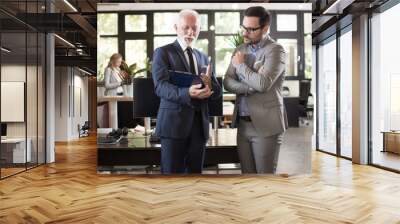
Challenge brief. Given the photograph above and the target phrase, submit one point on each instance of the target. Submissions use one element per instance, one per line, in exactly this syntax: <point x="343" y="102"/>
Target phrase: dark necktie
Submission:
<point x="191" y="61"/>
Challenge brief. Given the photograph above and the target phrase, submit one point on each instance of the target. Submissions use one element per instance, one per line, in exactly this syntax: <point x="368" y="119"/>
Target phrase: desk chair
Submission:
<point x="84" y="129"/>
<point x="305" y="86"/>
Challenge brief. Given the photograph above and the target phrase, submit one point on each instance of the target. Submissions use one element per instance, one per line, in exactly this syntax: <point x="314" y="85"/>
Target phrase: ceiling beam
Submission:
<point x="89" y="30"/>
<point x="81" y="61"/>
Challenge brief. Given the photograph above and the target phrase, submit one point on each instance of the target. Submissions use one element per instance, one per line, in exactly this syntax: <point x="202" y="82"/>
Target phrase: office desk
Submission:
<point x="137" y="150"/>
<point x="113" y="107"/>
<point x="13" y="150"/>
<point x="229" y="96"/>
<point x="391" y="141"/>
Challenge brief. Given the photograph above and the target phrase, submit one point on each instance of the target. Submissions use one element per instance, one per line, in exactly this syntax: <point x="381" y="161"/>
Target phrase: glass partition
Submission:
<point x="327" y="96"/>
<point x="385" y="89"/>
<point x="346" y="94"/>
<point x="14" y="153"/>
<point x="22" y="76"/>
<point x="290" y="46"/>
<point x="32" y="99"/>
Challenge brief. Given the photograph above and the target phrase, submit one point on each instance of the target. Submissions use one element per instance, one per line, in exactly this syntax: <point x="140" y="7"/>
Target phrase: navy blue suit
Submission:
<point x="182" y="122"/>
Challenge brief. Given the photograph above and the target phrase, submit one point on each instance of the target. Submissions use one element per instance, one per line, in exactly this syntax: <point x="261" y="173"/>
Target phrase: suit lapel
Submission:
<point x="181" y="55"/>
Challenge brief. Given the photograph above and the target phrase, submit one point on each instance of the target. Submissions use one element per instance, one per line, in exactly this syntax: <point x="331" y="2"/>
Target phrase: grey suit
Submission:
<point x="259" y="82"/>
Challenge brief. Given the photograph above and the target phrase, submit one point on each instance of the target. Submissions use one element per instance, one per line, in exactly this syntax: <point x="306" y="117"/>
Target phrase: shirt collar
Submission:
<point x="259" y="45"/>
<point x="182" y="43"/>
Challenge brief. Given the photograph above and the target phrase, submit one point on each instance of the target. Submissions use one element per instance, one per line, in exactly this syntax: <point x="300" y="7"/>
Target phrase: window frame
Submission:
<point x="336" y="36"/>
<point x="209" y="34"/>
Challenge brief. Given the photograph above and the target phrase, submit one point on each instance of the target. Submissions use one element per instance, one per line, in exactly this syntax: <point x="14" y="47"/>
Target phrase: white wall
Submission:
<point x="33" y="126"/>
<point x="61" y="103"/>
<point x="71" y="103"/>
<point x="14" y="73"/>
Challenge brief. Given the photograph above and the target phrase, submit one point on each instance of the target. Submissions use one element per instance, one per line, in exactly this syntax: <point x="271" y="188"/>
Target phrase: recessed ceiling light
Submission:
<point x="64" y="40"/>
<point x="70" y="5"/>
<point x="5" y="50"/>
<point x="84" y="71"/>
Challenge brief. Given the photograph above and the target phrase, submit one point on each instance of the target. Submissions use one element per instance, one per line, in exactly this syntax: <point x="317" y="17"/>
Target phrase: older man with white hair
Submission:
<point x="182" y="119"/>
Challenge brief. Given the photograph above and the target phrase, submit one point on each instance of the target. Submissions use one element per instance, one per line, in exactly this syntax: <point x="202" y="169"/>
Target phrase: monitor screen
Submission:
<point x="146" y="102"/>
<point x="215" y="106"/>
<point x="3" y="129"/>
<point x="125" y="115"/>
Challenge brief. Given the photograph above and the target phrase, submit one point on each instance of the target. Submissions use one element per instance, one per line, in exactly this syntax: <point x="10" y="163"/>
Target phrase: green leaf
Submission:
<point x="236" y="40"/>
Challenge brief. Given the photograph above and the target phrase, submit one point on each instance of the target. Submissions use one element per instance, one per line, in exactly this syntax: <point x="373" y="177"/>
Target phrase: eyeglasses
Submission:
<point x="249" y="29"/>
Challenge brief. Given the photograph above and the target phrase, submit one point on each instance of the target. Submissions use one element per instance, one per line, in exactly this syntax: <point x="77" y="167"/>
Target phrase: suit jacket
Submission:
<point x="261" y="82"/>
<point x="176" y="112"/>
<point x="111" y="84"/>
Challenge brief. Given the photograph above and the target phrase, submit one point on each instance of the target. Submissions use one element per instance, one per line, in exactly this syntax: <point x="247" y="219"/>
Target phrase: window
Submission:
<point x="227" y="22"/>
<point x="202" y="45"/>
<point x="203" y="22"/>
<point x="107" y="23"/>
<point x="290" y="46"/>
<point x="135" y="23"/>
<point x="106" y="46"/>
<point x="164" y="23"/>
<point x="346" y="94"/>
<point x="107" y="40"/>
<point x="223" y="54"/>
<point x="327" y="97"/>
<point x="385" y="86"/>
<point x="135" y="52"/>
<point x="226" y="25"/>
<point x="161" y="41"/>
<point x="286" y="22"/>
<point x="215" y="38"/>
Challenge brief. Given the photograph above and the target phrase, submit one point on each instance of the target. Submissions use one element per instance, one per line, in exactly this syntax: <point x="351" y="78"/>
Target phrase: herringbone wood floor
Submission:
<point x="70" y="191"/>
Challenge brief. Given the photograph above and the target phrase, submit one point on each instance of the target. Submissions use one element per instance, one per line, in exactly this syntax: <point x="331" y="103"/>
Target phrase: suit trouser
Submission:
<point x="257" y="154"/>
<point x="184" y="155"/>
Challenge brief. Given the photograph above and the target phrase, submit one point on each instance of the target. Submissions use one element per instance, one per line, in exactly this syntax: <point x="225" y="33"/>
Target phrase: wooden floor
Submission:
<point x="387" y="159"/>
<point x="10" y="171"/>
<point x="70" y="191"/>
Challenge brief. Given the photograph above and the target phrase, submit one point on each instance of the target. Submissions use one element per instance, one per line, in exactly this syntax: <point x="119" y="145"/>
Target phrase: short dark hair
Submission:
<point x="260" y="12"/>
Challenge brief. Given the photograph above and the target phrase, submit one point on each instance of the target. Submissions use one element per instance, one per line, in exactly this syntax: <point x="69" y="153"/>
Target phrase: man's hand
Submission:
<point x="195" y="91"/>
<point x="206" y="78"/>
<point x="238" y="58"/>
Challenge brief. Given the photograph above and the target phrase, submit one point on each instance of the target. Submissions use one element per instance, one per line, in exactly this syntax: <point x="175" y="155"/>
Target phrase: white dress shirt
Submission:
<point x="184" y="47"/>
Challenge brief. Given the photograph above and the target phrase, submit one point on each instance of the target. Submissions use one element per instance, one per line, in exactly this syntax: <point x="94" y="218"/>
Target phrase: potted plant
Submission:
<point x="129" y="72"/>
<point x="236" y="39"/>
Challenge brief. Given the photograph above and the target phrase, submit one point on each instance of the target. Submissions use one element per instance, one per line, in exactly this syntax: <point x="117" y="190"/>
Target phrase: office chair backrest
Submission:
<point x="305" y="86"/>
<point x="215" y="108"/>
<point x="146" y="102"/>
